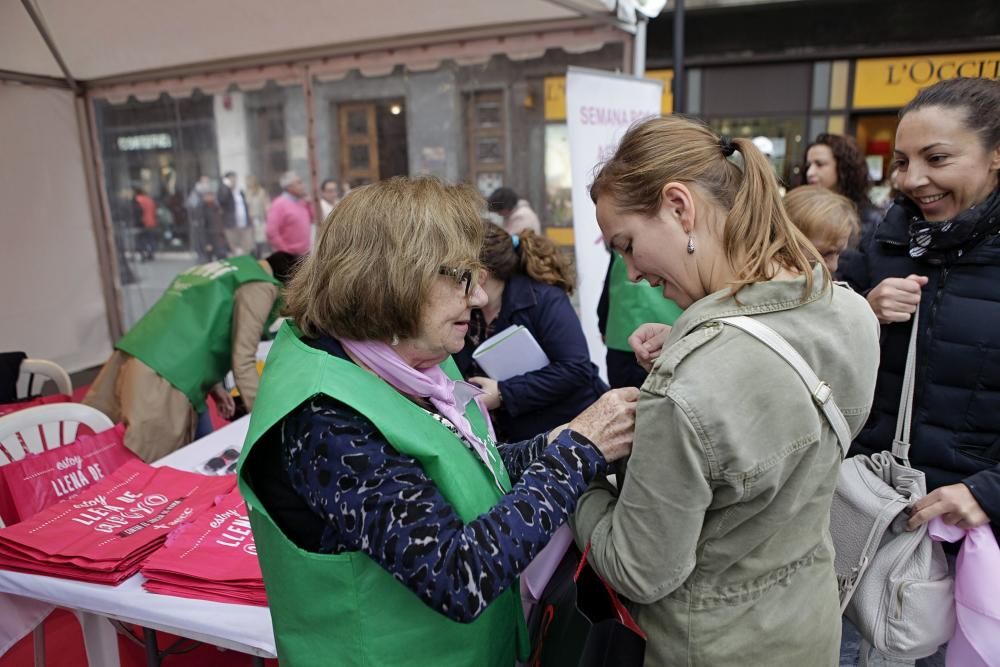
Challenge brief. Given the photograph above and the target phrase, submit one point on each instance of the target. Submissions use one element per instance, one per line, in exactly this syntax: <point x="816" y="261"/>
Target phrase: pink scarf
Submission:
<point x="448" y="397"/>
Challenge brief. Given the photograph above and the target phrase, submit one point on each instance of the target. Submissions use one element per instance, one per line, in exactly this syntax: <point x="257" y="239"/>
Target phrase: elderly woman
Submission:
<point x="386" y="519"/>
<point x="720" y="533"/>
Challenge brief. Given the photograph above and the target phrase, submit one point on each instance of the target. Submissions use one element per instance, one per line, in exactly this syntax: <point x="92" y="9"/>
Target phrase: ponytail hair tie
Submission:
<point x="727" y="145"/>
<point x="515" y="240"/>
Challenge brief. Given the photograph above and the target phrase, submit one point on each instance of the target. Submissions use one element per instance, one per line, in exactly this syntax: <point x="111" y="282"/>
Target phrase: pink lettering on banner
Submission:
<point x="591" y="115"/>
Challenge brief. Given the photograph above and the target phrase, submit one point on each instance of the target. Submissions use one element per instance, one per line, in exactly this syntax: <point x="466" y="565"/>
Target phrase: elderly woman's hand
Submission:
<point x="610" y="422"/>
<point x="647" y="342"/>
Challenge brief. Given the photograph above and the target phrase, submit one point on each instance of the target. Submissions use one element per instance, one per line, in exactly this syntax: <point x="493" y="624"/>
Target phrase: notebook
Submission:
<point x="511" y="352"/>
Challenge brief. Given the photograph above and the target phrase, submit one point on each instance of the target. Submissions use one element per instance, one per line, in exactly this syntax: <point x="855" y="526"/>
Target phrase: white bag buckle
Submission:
<point x="822" y="393"/>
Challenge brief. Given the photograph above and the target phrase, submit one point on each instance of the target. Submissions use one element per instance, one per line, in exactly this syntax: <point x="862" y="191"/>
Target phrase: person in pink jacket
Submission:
<point x="290" y="217"/>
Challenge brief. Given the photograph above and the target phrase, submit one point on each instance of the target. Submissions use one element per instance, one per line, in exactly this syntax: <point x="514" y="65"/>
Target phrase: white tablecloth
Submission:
<point x="239" y="627"/>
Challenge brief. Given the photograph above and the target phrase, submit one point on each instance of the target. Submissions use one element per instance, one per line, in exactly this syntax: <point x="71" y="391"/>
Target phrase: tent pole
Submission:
<point x="639" y="48"/>
<point x="107" y="258"/>
<point x="679" y="83"/>
<point x="307" y="89"/>
<point x="36" y="18"/>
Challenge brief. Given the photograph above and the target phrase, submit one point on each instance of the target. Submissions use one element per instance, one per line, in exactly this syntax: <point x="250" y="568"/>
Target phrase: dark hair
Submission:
<point x="283" y="264"/>
<point x="322" y="186"/>
<point x="978" y="98"/>
<point x="531" y="254"/>
<point x="229" y="173"/>
<point x="853" y="180"/>
<point x="502" y="199"/>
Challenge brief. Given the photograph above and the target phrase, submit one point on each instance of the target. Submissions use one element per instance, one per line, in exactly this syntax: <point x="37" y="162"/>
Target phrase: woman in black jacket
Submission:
<point x="938" y="250"/>
<point x="528" y="283"/>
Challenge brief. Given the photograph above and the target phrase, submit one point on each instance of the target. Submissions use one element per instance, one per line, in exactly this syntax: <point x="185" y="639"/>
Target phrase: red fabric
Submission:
<point x="148" y="207"/>
<point x="212" y="558"/>
<point x="7" y="408"/>
<point x="105" y="533"/>
<point x="40" y="480"/>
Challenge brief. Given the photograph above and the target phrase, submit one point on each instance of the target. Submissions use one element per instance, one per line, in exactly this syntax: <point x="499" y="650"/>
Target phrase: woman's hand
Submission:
<point x="896" y="299"/>
<point x="955" y="504"/>
<point x="647" y="343"/>
<point x="610" y="422"/>
<point x="224" y="402"/>
<point x="491" y="399"/>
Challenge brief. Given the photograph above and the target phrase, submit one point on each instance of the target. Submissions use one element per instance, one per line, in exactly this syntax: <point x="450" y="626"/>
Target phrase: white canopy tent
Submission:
<point x="58" y="264"/>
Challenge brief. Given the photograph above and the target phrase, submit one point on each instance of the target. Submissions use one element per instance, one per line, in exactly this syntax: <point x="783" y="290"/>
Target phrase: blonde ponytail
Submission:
<point x="757" y="235"/>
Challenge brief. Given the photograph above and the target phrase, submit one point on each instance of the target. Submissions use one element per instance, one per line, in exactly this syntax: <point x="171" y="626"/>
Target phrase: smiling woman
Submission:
<point x="938" y="251"/>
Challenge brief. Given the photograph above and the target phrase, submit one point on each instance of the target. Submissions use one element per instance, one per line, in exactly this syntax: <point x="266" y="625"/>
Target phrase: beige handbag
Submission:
<point x="894" y="584"/>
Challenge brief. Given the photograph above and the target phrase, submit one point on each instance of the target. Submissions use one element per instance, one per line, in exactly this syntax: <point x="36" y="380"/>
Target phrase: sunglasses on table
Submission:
<point x="227" y="458"/>
<point x="464" y="277"/>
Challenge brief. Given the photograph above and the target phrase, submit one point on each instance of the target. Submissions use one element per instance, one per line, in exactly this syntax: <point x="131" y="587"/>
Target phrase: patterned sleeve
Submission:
<point x="517" y="456"/>
<point x="375" y="500"/>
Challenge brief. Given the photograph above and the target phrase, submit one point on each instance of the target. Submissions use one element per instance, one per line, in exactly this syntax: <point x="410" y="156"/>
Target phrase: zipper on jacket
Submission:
<point x="937" y="298"/>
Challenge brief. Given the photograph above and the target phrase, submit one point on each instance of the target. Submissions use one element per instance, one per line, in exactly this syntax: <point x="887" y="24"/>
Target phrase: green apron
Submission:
<point x="186" y="337"/>
<point x="631" y="304"/>
<point x="345" y="609"/>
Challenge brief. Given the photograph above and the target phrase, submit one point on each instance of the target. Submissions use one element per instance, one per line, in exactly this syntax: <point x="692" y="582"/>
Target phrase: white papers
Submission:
<point x="511" y="352"/>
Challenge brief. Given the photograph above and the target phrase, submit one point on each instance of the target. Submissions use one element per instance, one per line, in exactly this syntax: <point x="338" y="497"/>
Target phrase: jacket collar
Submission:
<point x="754" y="299"/>
<point x="894" y="228"/>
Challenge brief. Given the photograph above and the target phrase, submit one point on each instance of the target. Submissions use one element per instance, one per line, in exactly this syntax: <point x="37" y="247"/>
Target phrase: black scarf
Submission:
<point x="941" y="242"/>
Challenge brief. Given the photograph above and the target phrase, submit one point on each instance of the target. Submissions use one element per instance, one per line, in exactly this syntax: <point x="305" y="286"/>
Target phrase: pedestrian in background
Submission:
<point x="517" y="213"/>
<point x="290" y="218"/>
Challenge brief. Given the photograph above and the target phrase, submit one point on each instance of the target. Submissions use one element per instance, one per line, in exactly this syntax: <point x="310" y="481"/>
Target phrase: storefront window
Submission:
<point x="785" y="137"/>
<point x="558" y="178"/>
<point x="153" y="155"/>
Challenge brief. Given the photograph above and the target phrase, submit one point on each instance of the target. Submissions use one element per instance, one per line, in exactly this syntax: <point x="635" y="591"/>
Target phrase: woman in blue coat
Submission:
<point x="528" y="283"/>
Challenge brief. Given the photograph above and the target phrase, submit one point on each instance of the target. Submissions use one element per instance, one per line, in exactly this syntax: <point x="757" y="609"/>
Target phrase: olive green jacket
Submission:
<point x="720" y="535"/>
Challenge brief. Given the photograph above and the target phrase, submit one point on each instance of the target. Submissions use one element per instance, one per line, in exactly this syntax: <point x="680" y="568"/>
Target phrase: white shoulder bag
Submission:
<point x="894" y="583"/>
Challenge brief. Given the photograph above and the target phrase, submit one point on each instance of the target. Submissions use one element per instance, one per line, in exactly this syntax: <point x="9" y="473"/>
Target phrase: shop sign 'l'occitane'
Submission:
<point x="892" y="82"/>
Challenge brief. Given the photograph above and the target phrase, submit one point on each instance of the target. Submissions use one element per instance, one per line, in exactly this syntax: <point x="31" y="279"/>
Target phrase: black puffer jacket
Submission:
<point x="956" y="412"/>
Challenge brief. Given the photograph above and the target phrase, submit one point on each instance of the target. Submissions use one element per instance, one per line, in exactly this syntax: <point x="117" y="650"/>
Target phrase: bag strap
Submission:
<point x="901" y="442"/>
<point x="822" y="393"/>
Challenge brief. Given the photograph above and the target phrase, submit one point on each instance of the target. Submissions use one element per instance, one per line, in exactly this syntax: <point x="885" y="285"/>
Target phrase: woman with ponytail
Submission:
<point x="719" y="528"/>
<point x="528" y="282"/>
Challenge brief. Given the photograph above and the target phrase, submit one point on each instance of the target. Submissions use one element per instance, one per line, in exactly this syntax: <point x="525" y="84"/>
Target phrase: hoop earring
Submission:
<point x="395" y="340"/>
<point x="690" y="246"/>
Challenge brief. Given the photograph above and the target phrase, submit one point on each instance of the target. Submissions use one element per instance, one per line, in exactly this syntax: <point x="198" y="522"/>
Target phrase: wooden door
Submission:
<point x="358" y="144"/>
<point x="486" y="128"/>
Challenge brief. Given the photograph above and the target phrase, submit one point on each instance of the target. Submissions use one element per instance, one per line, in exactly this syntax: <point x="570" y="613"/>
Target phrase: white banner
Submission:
<point x="600" y="106"/>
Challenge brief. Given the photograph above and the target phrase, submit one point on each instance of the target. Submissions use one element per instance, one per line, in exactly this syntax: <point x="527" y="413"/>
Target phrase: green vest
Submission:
<point x="186" y="337"/>
<point x="631" y="304"/>
<point x="345" y="609"/>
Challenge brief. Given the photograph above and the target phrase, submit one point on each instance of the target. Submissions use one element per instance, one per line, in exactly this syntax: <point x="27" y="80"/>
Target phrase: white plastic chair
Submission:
<point x="34" y="430"/>
<point x="46" y="369"/>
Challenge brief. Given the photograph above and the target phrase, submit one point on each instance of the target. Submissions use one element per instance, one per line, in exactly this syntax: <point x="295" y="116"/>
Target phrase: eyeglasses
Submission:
<point x="464" y="277"/>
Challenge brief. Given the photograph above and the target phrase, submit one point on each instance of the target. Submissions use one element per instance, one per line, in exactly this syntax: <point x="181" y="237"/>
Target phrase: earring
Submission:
<point x="395" y="340"/>
<point x="690" y="245"/>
